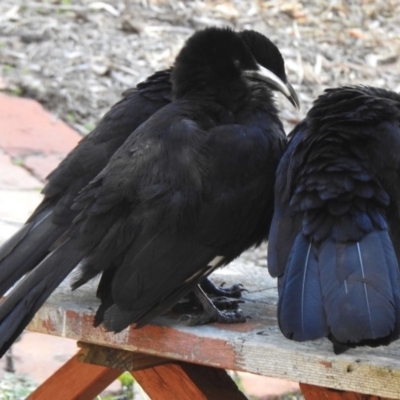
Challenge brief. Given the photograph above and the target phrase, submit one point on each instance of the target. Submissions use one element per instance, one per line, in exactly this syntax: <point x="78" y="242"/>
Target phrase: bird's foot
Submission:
<point x="193" y="305"/>
<point x="211" y="288"/>
<point x="211" y="313"/>
<point x="224" y="317"/>
<point x="222" y="303"/>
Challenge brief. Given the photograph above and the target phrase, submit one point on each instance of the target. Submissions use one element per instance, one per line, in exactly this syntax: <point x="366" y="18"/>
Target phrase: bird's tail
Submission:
<point x="19" y="307"/>
<point x="348" y="291"/>
<point x="301" y="310"/>
<point x="26" y="248"/>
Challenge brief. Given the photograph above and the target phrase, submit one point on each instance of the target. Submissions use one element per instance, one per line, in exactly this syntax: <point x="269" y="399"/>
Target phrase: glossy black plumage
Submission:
<point x="335" y="230"/>
<point x="188" y="191"/>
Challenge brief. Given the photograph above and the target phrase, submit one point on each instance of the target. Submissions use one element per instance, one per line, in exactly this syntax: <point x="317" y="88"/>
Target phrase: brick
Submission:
<point x="26" y="128"/>
<point x="13" y="176"/>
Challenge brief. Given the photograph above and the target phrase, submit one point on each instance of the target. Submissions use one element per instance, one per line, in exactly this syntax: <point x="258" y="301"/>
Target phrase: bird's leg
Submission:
<point x="211" y="313"/>
<point x="192" y="303"/>
<point x="222" y="303"/>
<point x="210" y="287"/>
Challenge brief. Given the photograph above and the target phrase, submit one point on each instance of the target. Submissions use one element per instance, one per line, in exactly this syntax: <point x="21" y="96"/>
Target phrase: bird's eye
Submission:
<point x="236" y="63"/>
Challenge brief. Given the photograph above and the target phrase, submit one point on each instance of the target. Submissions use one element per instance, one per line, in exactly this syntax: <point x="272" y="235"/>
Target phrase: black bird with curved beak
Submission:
<point x="24" y="250"/>
<point x="335" y="236"/>
<point x="188" y="191"/>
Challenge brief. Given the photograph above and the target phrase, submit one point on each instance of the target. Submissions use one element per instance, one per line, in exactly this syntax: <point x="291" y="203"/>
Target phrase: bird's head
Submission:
<point x="220" y="60"/>
<point x="271" y="67"/>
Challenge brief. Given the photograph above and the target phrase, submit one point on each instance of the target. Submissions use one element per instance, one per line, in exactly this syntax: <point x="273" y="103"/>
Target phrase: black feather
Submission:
<point x="301" y="311"/>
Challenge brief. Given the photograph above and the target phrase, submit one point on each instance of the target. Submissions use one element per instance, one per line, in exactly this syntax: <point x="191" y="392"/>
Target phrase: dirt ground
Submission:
<point x="77" y="56"/>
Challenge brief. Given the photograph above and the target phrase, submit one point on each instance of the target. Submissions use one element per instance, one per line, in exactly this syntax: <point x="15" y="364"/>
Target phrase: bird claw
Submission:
<point x="225" y="317"/>
<point x="222" y="303"/>
<point x="234" y="290"/>
<point x="211" y="288"/>
<point x="220" y="309"/>
<point x="231" y="317"/>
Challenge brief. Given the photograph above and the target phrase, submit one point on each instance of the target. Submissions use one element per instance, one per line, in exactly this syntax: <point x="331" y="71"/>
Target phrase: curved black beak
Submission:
<point x="266" y="75"/>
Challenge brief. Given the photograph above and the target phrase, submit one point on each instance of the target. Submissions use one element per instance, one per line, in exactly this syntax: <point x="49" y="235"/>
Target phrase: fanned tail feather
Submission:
<point x="301" y="313"/>
<point x="360" y="287"/>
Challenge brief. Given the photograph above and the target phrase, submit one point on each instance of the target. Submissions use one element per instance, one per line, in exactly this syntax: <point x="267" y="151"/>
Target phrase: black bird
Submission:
<point x="335" y="236"/>
<point x="25" y="249"/>
<point x="188" y="191"/>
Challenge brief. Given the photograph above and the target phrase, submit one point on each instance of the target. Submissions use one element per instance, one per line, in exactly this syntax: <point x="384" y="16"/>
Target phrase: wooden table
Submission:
<point x="173" y="361"/>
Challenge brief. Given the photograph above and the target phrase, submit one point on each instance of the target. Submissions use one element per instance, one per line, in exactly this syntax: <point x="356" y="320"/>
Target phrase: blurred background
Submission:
<point x="75" y="57"/>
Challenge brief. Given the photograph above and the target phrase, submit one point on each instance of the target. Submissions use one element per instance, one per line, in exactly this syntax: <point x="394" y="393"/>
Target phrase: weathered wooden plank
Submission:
<point x="75" y="381"/>
<point x="312" y="392"/>
<point x="255" y="347"/>
<point x="119" y="359"/>
<point x="183" y="381"/>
